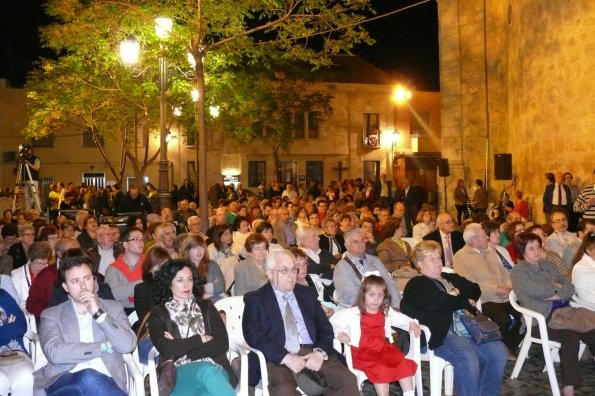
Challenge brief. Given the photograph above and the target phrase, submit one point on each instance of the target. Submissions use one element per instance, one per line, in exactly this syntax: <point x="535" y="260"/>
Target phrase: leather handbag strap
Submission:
<point x="141" y="327"/>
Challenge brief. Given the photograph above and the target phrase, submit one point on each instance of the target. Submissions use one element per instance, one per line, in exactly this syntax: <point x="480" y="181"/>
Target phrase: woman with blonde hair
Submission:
<point x="425" y="223"/>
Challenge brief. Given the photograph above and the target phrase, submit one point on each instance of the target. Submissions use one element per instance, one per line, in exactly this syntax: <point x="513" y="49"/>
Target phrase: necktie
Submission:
<point x="292" y="338"/>
<point x="447" y="252"/>
<point x="559" y="194"/>
<point x="503" y="260"/>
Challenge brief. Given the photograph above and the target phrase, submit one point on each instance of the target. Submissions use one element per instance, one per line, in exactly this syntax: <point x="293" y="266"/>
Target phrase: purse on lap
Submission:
<point x="478" y="327"/>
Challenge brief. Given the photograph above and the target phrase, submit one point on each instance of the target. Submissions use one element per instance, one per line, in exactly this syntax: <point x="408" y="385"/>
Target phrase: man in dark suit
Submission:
<point x="557" y="196"/>
<point x="413" y="198"/>
<point x="285" y="321"/>
<point x="450" y="239"/>
<point x="330" y="241"/>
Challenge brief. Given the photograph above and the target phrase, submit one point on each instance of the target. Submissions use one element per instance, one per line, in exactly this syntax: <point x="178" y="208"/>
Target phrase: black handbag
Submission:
<point x="481" y="329"/>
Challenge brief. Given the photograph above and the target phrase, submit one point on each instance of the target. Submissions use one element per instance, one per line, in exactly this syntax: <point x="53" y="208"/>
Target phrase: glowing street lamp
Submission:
<point x="129" y="52"/>
<point x="401" y="95"/>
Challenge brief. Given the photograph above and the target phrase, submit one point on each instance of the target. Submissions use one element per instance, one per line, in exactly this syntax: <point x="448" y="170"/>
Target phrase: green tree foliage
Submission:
<point x="217" y="34"/>
<point x="264" y="105"/>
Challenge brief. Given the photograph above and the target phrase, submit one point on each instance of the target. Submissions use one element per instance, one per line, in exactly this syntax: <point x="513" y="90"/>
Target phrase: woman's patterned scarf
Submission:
<point x="187" y="317"/>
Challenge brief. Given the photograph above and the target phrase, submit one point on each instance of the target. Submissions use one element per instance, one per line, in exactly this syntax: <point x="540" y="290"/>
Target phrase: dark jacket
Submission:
<point x="456" y="239"/>
<point x="86" y="241"/>
<point x="548" y="196"/>
<point x="325" y="242"/>
<point x="324" y="267"/>
<point x="193" y="347"/>
<point x="426" y="301"/>
<point x="144" y="298"/>
<point x="18" y="254"/>
<point x="263" y="327"/>
<point x="140" y="204"/>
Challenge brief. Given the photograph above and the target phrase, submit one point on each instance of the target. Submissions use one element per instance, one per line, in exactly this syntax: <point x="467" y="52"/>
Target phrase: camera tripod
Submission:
<point x="26" y="184"/>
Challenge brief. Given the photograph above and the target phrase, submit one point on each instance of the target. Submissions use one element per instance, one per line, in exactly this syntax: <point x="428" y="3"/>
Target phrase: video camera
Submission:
<point x="22" y="152"/>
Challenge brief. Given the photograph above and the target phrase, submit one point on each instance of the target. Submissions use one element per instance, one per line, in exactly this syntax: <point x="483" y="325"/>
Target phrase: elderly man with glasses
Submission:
<point x="561" y="237"/>
<point x="285" y="321"/>
<point x="450" y="239"/>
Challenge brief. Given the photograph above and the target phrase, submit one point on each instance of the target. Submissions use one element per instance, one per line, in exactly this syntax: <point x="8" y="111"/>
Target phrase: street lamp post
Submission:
<point x="129" y="52"/>
<point x="163" y="28"/>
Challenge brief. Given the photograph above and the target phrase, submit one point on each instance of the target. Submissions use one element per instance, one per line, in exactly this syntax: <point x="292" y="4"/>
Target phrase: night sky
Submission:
<point x="406" y="42"/>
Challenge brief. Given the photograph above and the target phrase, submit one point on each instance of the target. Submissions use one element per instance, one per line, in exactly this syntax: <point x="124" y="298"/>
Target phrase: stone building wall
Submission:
<point x="516" y="78"/>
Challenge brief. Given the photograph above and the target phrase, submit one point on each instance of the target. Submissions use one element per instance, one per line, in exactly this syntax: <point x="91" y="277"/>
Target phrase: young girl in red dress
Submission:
<point x="366" y="327"/>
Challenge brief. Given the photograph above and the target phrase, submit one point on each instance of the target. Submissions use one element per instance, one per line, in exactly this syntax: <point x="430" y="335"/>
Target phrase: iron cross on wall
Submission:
<point x="340" y="168"/>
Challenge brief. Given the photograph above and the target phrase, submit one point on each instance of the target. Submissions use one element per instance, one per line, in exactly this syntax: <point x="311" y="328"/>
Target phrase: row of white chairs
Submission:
<point x="234" y="309"/>
<point x="439" y="368"/>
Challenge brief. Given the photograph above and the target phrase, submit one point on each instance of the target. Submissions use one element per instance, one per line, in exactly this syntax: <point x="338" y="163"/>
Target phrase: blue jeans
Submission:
<point x="87" y="382"/>
<point x="202" y="379"/>
<point x="478" y="369"/>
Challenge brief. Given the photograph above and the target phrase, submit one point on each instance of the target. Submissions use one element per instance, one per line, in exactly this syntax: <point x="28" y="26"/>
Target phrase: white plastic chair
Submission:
<point x="234" y="310"/>
<point x="550" y="348"/>
<point x="151" y="369"/>
<point x="437" y="366"/>
<point x="32" y="345"/>
<point x="136" y="382"/>
<point x="414" y="354"/>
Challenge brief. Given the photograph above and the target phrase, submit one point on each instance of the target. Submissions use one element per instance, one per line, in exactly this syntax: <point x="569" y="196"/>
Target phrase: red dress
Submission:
<point x="380" y="361"/>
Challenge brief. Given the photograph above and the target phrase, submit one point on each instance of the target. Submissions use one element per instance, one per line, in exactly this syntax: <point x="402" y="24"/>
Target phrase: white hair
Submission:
<point x="351" y="233"/>
<point x="471" y="231"/>
<point x="302" y="232"/>
<point x="274" y="256"/>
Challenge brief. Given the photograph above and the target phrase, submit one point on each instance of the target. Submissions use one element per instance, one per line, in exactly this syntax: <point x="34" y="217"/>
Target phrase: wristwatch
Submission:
<point x="322" y="352"/>
<point x="97" y="314"/>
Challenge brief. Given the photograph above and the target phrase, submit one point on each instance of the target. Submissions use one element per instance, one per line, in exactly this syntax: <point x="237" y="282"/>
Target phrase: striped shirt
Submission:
<point x="582" y="202"/>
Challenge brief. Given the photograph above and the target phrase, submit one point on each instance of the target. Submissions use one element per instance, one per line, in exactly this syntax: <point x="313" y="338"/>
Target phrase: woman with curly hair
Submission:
<point x="188" y="329"/>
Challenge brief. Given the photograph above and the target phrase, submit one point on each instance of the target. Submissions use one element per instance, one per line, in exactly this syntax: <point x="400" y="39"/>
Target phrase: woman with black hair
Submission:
<point x="188" y="329"/>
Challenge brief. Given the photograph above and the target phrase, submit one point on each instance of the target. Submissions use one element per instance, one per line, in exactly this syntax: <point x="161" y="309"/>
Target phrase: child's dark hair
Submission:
<point x="367" y="282"/>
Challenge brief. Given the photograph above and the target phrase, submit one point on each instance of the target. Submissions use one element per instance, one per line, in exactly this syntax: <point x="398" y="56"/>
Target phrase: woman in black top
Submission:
<point x="188" y="329"/>
<point x="432" y="298"/>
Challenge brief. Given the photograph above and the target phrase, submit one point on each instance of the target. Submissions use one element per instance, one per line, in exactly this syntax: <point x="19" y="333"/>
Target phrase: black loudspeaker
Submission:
<point x="443" y="169"/>
<point x="503" y="166"/>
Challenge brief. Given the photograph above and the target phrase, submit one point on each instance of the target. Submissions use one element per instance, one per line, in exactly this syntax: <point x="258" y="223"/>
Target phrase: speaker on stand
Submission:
<point x="444" y="172"/>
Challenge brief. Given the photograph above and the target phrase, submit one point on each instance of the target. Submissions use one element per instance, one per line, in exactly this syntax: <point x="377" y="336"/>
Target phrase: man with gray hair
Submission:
<point x="285" y="321"/>
<point x="104" y="253"/>
<point x="320" y="262"/>
<point x="476" y="262"/>
<point x="194" y="227"/>
<point x="354" y="265"/>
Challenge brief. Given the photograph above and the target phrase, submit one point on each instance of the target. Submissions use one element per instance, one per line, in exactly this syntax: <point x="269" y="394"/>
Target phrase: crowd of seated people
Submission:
<point x="327" y="243"/>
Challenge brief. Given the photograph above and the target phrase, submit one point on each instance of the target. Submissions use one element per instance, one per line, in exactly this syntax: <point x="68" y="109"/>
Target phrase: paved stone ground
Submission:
<point x="533" y="382"/>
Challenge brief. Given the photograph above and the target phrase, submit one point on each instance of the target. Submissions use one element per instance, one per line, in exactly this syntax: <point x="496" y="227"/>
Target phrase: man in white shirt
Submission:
<point x="561" y="237"/>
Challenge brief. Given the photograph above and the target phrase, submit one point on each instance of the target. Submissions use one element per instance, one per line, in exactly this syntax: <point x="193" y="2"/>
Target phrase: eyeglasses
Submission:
<point x="285" y="271"/>
<point x="136" y="240"/>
